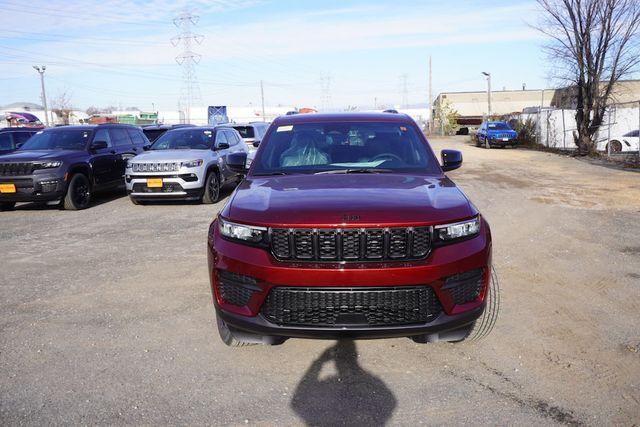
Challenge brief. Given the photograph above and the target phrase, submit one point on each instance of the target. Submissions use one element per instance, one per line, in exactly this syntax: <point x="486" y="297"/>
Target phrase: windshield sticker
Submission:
<point x="284" y="128"/>
<point x="38" y="133"/>
<point x="208" y="133"/>
<point x="403" y="129"/>
<point x="85" y="134"/>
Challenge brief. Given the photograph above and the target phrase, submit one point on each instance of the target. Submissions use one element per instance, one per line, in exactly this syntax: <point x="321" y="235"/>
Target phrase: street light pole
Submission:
<point x="41" y="71"/>
<point x="488" y="75"/>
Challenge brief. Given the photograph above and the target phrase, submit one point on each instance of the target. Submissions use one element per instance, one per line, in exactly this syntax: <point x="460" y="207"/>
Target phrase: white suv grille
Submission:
<point x="155" y="167"/>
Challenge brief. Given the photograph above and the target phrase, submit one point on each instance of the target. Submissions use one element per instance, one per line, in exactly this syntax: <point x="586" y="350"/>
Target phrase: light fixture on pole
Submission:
<point x="488" y="75"/>
<point x="41" y="71"/>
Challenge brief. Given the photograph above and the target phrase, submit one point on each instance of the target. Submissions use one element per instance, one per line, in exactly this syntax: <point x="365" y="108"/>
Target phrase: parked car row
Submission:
<point x="66" y="165"/>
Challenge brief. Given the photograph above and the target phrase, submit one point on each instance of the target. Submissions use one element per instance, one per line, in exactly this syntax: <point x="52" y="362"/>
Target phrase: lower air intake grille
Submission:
<point x="464" y="287"/>
<point x="235" y="288"/>
<point x="328" y="307"/>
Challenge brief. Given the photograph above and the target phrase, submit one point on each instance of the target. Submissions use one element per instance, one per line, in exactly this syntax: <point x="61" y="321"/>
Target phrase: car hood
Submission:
<point x="170" y="155"/>
<point x="37" y="155"/>
<point x="509" y="131"/>
<point x="334" y="200"/>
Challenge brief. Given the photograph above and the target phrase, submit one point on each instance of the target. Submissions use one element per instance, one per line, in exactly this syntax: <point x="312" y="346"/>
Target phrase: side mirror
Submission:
<point x="451" y="159"/>
<point x="99" y="145"/>
<point x="237" y="162"/>
<point x="146" y="147"/>
<point x="222" y="146"/>
<point x="256" y="143"/>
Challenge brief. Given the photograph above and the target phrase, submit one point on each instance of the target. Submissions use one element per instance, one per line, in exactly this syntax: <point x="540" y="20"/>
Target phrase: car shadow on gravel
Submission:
<point x="349" y="396"/>
<point x="97" y="199"/>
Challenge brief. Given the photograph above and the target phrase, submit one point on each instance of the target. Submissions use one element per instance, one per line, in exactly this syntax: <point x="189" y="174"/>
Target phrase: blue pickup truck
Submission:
<point x="496" y="134"/>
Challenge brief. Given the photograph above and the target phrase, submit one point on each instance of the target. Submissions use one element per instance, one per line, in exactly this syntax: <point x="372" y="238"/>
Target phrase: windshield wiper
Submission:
<point x="272" y="173"/>
<point x="360" y="170"/>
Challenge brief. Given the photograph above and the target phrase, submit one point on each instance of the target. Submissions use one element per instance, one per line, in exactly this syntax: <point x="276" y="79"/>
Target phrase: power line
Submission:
<point x="188" y="59"/>
<point x="325" y="96"/>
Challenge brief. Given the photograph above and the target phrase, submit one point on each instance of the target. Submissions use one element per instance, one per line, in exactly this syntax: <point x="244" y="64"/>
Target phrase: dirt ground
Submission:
<point x="106" y="318"/>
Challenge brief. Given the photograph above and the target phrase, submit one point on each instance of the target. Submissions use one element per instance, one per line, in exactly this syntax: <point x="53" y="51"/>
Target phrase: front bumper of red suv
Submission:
<point x="250" y="290"/>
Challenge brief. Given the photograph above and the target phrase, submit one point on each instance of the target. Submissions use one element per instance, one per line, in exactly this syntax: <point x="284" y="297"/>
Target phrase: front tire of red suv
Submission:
<point x="78" y="193"/>
<point x="486" y="322"/>
<point x="477" y="330"/>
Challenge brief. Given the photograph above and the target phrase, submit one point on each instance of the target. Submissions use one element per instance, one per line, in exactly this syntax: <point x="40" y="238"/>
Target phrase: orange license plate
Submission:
<point x="154" y="182"/>
<point x="7" y="188"/>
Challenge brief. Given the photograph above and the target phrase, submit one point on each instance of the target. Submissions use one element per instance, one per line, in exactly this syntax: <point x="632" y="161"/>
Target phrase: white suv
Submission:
<point x="185" y="163"/>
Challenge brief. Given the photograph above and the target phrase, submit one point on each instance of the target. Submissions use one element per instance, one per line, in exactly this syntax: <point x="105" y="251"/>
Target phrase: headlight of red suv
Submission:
<point x="447" y="233"/>
<point x="243" y="233"/>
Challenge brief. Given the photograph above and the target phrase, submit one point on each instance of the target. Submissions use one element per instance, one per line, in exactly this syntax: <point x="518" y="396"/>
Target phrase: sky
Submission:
<point x="120" y="52"/>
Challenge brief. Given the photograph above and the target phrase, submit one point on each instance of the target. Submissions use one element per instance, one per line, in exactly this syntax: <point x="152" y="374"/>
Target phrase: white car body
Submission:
<point x="628" y="142"/>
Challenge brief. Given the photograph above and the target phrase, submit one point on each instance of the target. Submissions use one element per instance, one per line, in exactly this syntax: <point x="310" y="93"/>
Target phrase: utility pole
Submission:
<point x="41" y="71"/>
<point x="429" y="104"/>
<point x="262" y="97"/>
<point x="488" y="75"/>
<point x="188" y="59"/>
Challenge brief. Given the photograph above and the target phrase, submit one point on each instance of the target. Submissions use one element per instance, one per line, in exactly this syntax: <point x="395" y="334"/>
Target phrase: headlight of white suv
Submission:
<point x="457" y="230"/>
<point x="246" y="233"/>
<point x="192" y="163"/>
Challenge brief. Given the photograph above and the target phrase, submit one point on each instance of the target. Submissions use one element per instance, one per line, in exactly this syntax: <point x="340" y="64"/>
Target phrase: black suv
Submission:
<point x="67" y="164"/>
<point x="153" y="132"/>
<point x="12" y="138"/>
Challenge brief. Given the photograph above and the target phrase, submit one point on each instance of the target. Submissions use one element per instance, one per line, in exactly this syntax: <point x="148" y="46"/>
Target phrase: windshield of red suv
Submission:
<point x="67" y="139"/>
<point x="344" y="147"/>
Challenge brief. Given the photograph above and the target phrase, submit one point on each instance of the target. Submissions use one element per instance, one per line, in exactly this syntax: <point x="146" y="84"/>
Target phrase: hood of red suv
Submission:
<point x="334" y="200"/>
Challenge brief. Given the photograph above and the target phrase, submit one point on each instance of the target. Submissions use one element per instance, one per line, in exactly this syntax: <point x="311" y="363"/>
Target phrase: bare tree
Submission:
<point x="62" y="106"/>
<point x="594" y="44"/>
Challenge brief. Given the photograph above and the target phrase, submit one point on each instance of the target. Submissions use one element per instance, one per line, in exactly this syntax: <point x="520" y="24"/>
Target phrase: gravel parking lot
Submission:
<point x="106" y="317"/>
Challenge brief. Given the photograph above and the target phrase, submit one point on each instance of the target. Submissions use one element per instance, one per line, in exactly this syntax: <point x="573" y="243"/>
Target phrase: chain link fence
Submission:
<point x="618" y="138"/>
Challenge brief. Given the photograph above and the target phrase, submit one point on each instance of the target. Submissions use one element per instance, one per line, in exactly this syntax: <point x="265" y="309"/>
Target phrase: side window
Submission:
<point x="21" y="137"/>
<point x="231" y="137"/>
<point x="137" y="137"/>
<point x="119" y="137"/>
<point x="221" y="137"/>
<point x="103" y="135"/>
<point x="5" y="141"/>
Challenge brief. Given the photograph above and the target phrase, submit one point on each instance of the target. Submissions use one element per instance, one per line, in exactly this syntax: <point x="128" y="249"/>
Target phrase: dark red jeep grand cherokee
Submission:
<point x="347" y="227"/>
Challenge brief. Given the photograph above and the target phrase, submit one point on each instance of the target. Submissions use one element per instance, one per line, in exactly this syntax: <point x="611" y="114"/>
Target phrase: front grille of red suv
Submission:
<point x="329" y="307"/>
<point x="351" y="244"/>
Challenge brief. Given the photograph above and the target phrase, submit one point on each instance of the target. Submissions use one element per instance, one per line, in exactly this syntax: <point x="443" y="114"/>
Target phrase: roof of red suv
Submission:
<point x="342" y="117"/>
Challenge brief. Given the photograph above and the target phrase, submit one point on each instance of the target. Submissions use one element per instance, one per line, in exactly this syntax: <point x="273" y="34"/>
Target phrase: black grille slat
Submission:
<point x="351" y="244"/>
<point x="16" y="168"/>
<point x="338" y="307"/>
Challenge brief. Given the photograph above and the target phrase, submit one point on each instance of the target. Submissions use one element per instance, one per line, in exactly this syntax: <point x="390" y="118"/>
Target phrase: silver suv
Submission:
<point x="251" y="133"/>
<point x="186" y="163"/>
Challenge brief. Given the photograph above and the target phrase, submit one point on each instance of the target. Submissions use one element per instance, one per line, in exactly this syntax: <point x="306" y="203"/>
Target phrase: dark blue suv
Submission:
<point x="496" y="134"/>
<point x="65" y="165"/>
